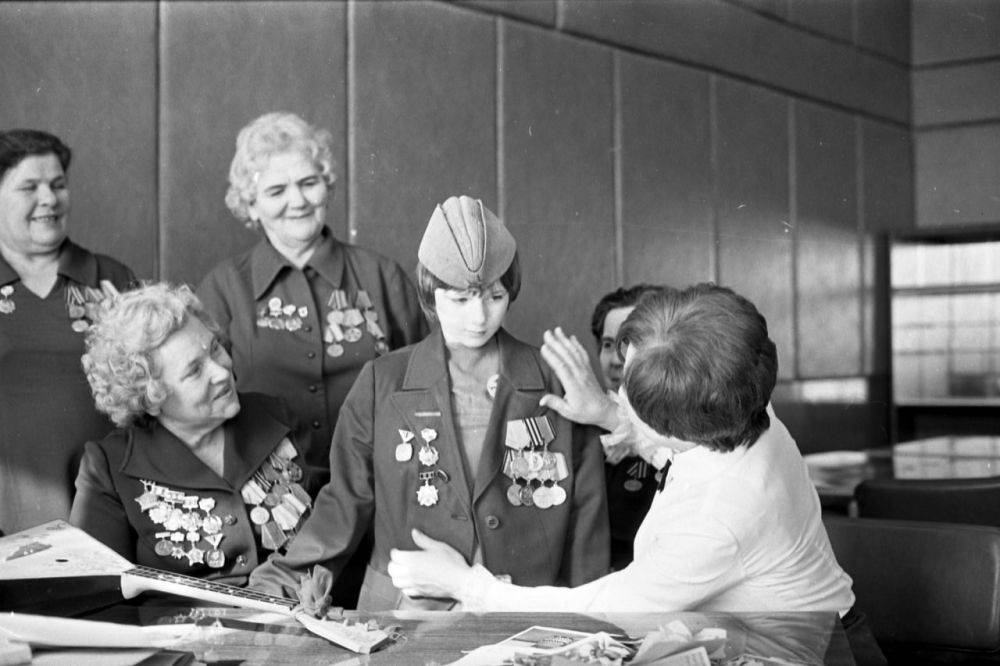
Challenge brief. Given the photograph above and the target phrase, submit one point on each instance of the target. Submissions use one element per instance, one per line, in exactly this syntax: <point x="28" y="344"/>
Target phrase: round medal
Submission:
<point x="274" y="305"/>
<point x="381" y="347"/>
<point x="163" y="547"/>
<point x="79" y="325"/>
<point x="216" y="558"/>
<point x="76" y="311"/>
<point x="542" y="497"/>
<point x="633" y="485"/>
<point x="6" y="306"/>
<point x="527" y="496"/>
<point x="335" y="350"/>
<point x="558" y="495"/>
<point x="271" y="499"/>
<point x="514" y="495"/>
<point x="352" y="334"/>
<point x="535" y="461"/>
<point x="259" y="515"/>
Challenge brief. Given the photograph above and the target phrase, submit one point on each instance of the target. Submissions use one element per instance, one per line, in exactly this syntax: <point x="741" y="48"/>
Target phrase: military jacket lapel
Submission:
<point x="519" y="389"/>
<point x="425" y="402"/>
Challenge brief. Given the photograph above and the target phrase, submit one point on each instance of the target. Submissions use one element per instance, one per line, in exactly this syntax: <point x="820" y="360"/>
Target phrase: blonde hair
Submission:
<point x="264" y="137"/>
<point x="129" y="328"/>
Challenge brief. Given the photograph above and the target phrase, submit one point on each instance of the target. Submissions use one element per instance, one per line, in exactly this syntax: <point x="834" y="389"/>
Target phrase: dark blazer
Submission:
<point x="410" y="389"/>
<point x="113" y="469"/>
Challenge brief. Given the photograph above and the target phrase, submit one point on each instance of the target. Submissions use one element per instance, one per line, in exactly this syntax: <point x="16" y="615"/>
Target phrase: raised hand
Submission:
<point x="584" y="400"/>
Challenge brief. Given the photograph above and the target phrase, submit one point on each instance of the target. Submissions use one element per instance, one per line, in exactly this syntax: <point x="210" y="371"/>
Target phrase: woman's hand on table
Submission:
<point x="584" y="400"/>
<point x="436" y="570"/>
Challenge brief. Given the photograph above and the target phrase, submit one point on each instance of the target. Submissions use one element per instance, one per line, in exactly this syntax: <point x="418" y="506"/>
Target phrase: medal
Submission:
<point x="381" y="347"/>
<point x="177" y="552"/>
<point x="428" y="454"/>
<point x="352" y="334"/>
<point x="195" y="556"/>
<point x="293" y="472"/>
<point x="272" y="537"/>
<point x="363" y="300"/>
<point x="527" y="496"/>
<point x="491" y="386"/>
<point x="259" y="515"/>
<point x="214" y="539"/>
<point x="216" y="558"/>
<point x="542" y="497"/>
<point x="148" y="499"/>
<point x="404" y="451"/>
<point x="558" y="495"/>
<point x="514" y="494"/>
<point x="274" y="306"/>
<point x="335" y="350"/>
<point x="163" y="548"/>
<point x="353" y="318"/>
<point x="633" y="485"/>
<point x="427" y="495"/>
<point x="6" y="305"/>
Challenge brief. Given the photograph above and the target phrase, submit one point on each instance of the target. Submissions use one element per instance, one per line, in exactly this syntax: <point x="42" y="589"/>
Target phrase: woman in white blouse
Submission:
<point x="737" y="525"/>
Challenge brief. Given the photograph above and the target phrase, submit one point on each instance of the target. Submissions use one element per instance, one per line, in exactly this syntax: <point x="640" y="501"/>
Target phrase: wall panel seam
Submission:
<point x="350" y="168"/>
<point x="793" y="221"/>
<point x="617" y="164"/>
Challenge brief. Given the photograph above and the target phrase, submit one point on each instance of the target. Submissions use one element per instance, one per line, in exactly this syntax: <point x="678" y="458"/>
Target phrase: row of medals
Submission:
<point x="342" y="324"/>
<point x="188" y="519"/>
<point x="427" y="494"/>
<point x="81" y="302"/>
<point x="534" y="471"/>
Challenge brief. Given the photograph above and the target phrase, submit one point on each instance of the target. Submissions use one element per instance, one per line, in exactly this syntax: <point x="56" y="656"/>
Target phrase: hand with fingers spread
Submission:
<point x="436" y="570"/>
<point x="584" y="400"/>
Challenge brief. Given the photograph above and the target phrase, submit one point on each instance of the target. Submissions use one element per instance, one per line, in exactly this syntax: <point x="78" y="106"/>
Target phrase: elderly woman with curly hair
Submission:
<point x="301" y="312"/>
<point x="197" y="478"/>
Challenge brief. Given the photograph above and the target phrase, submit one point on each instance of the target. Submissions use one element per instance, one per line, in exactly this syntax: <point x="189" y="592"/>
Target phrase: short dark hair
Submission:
<point x="703" y="367"/>
<point x="427" y="282"/>
<point x="17" y="144"/>
<point x="622" y="297"/>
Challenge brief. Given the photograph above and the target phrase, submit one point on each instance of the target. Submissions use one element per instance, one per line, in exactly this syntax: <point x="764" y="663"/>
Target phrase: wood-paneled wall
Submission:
<point x="762" y="144"/>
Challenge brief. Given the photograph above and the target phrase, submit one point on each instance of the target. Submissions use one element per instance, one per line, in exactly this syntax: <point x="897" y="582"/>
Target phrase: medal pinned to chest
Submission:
<point x="534" y="470"/>
<point x="280" y="316"/>
<point x="6" y="302"/>
<point x="189" y="527"/>
<point x="428" y="456"/>
<point x="636" y="474"/>
<point x="276" y="501"/>
<point x="344" y="322"/>
<point x="83" y="303"/>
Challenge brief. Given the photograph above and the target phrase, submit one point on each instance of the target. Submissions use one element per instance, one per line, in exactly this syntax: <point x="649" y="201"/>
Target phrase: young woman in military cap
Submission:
<point x="447" y="437"/>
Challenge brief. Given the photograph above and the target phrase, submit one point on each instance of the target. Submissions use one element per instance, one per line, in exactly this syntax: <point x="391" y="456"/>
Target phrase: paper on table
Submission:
<point x="61" y="632"/>
<point x="54" y="550"/>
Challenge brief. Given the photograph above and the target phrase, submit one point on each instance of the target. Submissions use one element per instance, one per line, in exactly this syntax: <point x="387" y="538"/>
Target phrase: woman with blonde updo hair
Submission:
<point x="197" y="479"/>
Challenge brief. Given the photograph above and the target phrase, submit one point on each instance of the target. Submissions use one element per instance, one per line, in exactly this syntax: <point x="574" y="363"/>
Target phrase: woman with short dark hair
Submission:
<point x="49" y="289"/>
<point x="737" y="526"/>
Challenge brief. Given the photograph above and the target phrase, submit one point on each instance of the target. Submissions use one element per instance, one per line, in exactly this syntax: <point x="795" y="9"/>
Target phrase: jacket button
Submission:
<point x="317" y="425"/>
<point x="311" y="354"/>
<point x="313" y="388"/>
<point x="241" y="560"/>
<point x="492" y="522"/>
<point x="307" y="328"/>
<point x="229" y="519"/>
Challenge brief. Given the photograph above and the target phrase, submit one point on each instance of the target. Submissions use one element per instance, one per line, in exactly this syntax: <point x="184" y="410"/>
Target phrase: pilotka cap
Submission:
<point x="465" y="244"/>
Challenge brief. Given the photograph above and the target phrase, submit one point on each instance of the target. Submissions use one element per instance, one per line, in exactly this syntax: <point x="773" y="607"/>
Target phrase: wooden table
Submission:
<point x="441" y="637"/>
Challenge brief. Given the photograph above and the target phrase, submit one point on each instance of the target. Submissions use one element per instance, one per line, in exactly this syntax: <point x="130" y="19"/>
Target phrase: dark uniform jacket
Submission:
<point x="46" y="408"/>
<point x="409" y="390"/>
<point x="113" y="470"/>
<point x="293" y="364"/>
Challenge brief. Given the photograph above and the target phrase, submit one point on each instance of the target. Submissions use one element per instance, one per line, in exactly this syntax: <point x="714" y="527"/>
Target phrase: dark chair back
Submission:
<point x="926" y="587"/>
<point x="971" y="501"/>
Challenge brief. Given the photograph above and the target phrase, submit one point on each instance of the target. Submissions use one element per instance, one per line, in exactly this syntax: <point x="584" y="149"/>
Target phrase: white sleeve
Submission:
<point x="680" y="570"/>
